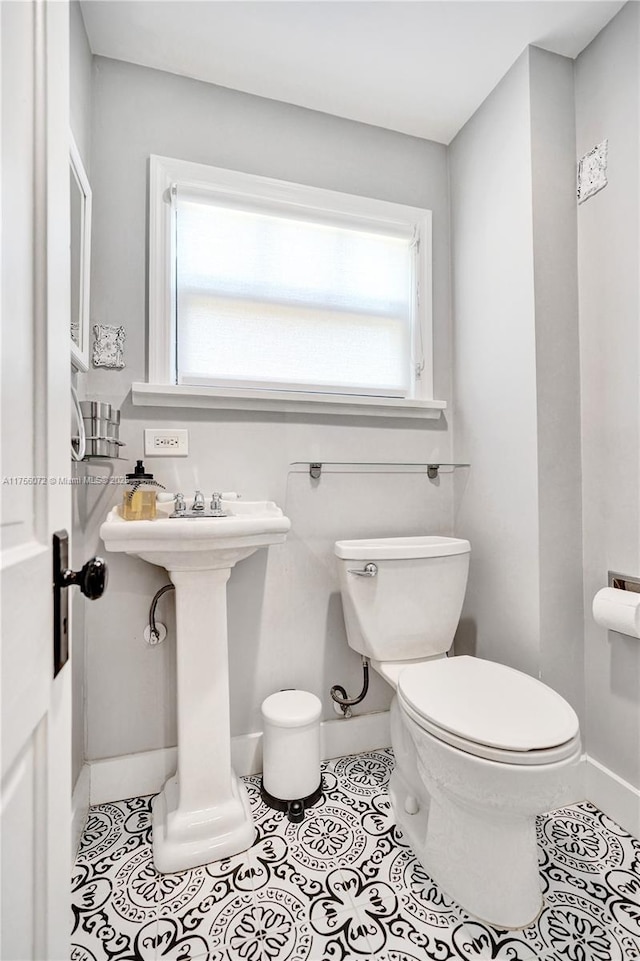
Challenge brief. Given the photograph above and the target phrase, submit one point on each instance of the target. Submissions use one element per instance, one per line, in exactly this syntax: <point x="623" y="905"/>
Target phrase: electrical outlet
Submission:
<point x="160" y="442"/>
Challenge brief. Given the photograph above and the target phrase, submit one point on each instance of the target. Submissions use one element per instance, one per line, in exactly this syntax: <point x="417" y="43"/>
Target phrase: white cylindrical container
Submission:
<point x="291" y="778"/>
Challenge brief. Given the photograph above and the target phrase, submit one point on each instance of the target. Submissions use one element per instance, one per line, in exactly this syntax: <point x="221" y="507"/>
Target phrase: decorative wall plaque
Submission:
<point x="108" y="346"/>
<point x="592" y="172"/>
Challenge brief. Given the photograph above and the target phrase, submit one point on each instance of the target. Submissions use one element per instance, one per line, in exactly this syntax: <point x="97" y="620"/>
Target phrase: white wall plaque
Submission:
<point x="592" y="172"/>
<point x="108" y="346"/>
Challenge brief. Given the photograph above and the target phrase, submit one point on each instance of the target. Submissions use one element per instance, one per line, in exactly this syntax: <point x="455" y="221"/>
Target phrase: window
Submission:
<point x="258" y="284"/>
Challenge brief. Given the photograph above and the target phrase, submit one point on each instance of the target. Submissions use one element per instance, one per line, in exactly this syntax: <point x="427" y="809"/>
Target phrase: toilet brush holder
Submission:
<point x="291" y="778"/>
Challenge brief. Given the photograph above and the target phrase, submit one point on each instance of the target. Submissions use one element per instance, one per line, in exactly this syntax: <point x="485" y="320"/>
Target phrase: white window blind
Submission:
<point x="291" y="298"/>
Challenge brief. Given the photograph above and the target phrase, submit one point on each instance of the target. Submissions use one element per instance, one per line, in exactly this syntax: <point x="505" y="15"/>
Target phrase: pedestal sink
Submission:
<point x="202" y="814"/>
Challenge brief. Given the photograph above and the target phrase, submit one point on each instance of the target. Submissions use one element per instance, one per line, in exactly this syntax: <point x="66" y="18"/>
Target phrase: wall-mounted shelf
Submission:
<point x="316" y="468"/>
<point x="98" y="458"/>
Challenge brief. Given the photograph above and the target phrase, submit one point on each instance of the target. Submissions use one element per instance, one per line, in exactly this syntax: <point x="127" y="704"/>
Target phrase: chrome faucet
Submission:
<point x="199" y="507"/>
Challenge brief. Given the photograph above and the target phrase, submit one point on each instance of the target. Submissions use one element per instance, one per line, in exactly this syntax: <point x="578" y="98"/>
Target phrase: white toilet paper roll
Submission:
<point x="617" y="611"/>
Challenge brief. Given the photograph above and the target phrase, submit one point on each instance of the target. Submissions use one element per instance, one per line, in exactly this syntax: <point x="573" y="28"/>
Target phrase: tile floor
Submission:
<point x="341" y="886"/>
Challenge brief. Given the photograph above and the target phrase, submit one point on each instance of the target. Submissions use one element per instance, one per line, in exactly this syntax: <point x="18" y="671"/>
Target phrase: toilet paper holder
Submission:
<point x="624" y="582"/>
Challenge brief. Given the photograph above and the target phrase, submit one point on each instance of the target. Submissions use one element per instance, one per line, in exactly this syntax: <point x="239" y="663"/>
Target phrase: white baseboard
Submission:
<point x="80" y="801"/>
<point x="133" y="775"/>
<point x="246" y="754"/>
<point x="366" y="732"/>
<point x="615" y="797"/>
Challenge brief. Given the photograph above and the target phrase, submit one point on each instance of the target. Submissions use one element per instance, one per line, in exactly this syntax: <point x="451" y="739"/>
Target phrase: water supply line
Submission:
<point x="339" y="695"/>
<point x="154" y="633"/>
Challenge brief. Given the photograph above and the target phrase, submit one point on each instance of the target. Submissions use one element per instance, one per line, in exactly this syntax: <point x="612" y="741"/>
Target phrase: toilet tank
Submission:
<point x="411" y="607"/>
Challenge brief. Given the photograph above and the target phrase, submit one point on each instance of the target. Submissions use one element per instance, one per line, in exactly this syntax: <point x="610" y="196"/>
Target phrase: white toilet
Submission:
<point x="481" y="749"/>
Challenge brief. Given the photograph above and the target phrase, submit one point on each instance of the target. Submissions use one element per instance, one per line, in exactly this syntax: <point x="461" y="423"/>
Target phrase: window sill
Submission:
<point x="220" y="398"/>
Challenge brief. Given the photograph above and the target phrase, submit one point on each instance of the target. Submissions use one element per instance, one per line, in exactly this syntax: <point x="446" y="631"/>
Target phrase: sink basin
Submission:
<point x="202" y="543"/>
<point x="202" y="813"/>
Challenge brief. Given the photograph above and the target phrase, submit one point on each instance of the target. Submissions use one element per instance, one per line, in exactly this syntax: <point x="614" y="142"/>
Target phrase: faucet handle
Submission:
<point x="179" y="505"/>
<point x="216" y="501"/>
<point x="198" y="501"/>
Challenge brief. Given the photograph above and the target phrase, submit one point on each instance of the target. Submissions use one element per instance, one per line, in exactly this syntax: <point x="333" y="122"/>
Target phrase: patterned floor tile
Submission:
<point x="419" y="895"/>
<point x="358" y="776"/>
<point x="577" y="839"/>
<point x="575" y="928"/>
<point x="266" y="819"/>
<point x="591" y="874"/>
<point x="107" y="914"/>
<point x="113" y="832"/>
<point x="343" y="885"/>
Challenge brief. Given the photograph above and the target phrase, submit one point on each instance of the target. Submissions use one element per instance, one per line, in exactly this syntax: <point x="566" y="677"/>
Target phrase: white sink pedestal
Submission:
<point x="202" y="814"/>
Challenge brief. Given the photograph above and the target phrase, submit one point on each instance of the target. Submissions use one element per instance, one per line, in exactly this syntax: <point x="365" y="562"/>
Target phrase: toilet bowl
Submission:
<point x="480" y="749"/>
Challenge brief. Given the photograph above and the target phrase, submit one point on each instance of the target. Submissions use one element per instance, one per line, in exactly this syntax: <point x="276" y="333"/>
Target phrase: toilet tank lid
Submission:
<point x="488" y="703"/>
<point x="399" y="548"/>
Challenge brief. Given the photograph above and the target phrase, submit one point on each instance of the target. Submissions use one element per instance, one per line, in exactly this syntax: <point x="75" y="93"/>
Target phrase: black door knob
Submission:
<point x="92" y="579"/>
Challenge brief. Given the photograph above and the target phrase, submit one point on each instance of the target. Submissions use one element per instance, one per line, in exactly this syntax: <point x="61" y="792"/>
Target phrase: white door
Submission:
<point x="34" y="390"/>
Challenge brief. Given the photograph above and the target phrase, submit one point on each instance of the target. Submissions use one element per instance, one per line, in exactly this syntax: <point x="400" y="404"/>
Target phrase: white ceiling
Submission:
<point x="418" y="67"/>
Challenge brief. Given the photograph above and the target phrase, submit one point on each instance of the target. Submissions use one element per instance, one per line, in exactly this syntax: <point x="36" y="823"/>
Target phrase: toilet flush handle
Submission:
<point x="370" y="570"/>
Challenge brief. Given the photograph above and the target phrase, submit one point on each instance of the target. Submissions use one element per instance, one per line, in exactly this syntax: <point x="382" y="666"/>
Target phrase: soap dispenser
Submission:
<point x="139" y="498"/>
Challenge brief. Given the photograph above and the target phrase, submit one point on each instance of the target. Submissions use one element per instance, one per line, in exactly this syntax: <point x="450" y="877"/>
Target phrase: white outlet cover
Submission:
<point x="164" y="442"/>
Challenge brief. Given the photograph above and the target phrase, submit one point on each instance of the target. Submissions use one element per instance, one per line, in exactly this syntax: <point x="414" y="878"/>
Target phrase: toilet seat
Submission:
<point x="489" y="710"/>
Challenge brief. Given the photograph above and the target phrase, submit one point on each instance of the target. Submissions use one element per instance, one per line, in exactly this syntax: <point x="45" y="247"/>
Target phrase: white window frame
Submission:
<point x="166" y="172"/>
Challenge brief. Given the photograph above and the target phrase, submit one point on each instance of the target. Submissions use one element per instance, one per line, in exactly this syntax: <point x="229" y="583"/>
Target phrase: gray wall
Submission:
<point x="285" y="619"/>
<point x="552" y="115"/>
<point x="494" y="373"/>
<point x="608" y="106"/>
<point x="80" y="92"/>
<point x="516" y="377"/>
<point x="80" y="83"/>
<point x="139" y="111"/>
